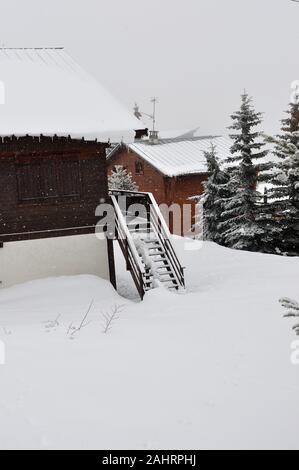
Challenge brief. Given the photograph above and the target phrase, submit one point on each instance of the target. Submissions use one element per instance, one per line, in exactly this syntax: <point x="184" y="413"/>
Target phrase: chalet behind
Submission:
<point x="172" y="169"/>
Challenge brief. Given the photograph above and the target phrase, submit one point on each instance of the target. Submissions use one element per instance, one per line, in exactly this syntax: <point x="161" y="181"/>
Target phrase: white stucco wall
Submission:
<point x="24" y="261"/>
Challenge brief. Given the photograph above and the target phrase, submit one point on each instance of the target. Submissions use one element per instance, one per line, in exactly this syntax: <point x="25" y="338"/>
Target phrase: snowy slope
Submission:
<point x="206" y="369"/>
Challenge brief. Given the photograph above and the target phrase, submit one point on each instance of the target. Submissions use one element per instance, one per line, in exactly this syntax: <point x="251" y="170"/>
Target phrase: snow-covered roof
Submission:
<point x="44" y="91"/>
<point x="181" y="156"/>
<point x="179" y="133"/>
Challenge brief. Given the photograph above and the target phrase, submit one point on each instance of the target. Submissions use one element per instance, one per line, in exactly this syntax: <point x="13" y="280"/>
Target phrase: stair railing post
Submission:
<point x="128" y="266"/>
<point x="141" y="284"/>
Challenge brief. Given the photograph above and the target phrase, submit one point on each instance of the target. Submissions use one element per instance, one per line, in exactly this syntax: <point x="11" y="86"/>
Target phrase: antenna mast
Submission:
<point x="154" y="100"/>
<point x="153" y="134"/>
<point x="139" y="113"/>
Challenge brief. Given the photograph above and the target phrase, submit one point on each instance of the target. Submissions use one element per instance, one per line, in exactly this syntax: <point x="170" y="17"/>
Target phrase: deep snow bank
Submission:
<point x="206" y="369"/>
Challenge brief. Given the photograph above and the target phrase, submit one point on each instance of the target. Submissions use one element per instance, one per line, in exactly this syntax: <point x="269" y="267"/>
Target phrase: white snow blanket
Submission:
<point x="205" y="369"/>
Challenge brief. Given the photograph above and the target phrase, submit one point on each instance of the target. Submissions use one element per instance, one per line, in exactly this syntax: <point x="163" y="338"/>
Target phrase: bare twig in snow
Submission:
<point x="83" y="323"/>
<point x="51" y="324"/>
<point x="70" y="328"/>
<point x="110" y="317"/>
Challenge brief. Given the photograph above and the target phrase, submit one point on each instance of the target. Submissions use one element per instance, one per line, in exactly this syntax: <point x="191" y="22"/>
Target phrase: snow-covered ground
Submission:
<point x="207" y="369"/>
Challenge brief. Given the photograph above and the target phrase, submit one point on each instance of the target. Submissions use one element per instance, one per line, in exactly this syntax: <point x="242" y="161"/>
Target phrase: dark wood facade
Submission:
<point x="50" y="186"/>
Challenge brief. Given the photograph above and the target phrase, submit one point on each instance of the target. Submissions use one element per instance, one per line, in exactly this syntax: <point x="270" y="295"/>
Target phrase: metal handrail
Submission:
<point x="155" y="211"/>
<point x="129" y="250"/>
<point x="127" y="234"/>
<point x="178" y="270"/>
<point x="160" y="227"/>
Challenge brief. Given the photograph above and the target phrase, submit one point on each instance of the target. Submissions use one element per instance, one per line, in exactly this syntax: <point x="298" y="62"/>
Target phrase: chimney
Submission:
<point x="153" y="137"/>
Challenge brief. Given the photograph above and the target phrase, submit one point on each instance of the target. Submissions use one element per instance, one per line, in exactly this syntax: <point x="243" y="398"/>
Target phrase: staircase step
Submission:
<point x="148" y="233"/>
<point x="168" y="273"/>
<point x="169" y="280"/>
<point x="140" y="230"/>
<point x="137" y="224"/>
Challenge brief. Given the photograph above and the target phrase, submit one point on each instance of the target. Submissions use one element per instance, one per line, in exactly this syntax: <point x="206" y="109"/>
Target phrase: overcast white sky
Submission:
<point x="195" y="55"/>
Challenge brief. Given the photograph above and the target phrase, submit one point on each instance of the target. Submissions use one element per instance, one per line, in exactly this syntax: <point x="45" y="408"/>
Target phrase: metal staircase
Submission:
<point x="145" y="242"/>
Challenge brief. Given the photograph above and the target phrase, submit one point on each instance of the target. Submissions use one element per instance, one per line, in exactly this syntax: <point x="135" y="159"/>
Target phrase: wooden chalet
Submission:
<point x="55" y="126"/>
<point x="56" y="123"/>
<point x="173" y="169"/>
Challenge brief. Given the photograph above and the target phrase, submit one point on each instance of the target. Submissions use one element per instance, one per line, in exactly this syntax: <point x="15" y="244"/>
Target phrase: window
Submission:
<point x="46" y="180"/>
<point x="139" y="170"/>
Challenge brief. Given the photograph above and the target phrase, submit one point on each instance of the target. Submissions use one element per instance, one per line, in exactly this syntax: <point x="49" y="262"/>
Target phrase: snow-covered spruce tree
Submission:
<point x="293" y="311"/>
<point x="120" y="179"/>
<point x="242" y="225"/>
<point x="214" y="192"/>
<point x="285" y="191"/>
<point x="290" y="127"/>
<point x="291" y="167"/>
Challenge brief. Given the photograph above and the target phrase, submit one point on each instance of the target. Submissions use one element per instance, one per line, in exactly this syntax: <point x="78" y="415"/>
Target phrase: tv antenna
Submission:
<point x="154" y="100"/>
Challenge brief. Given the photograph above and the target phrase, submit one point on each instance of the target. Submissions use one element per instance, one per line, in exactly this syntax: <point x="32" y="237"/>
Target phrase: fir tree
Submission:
<point x="270" y="231"/>
<point x="290" y="126"/>
<point x="285" y="192"/>
<point x="120" y="179"/>
<point x="241" y="225"/>
<point x="215" y="190"/>
<point x="293" y="311"/>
